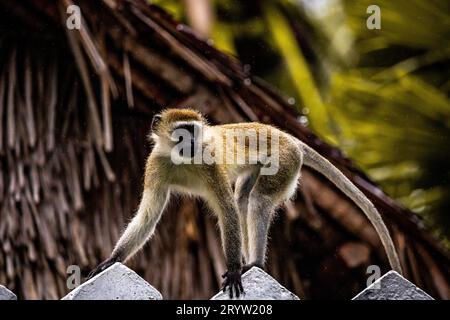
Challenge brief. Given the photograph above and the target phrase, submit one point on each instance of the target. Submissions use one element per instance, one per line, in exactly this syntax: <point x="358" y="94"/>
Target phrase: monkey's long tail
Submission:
<point x="317" y="162"/>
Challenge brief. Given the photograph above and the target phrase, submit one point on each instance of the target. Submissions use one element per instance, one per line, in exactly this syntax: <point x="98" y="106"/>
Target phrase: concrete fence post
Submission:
<point x="6" y="294"/>
<point x="392" y="286"/>
<point x="121" y="283"/>
<point x="258" y="285"/>
<point x="118" y="282"/>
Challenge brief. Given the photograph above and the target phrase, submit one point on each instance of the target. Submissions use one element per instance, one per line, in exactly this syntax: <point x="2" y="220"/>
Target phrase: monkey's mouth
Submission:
<point x="189" y="148"/>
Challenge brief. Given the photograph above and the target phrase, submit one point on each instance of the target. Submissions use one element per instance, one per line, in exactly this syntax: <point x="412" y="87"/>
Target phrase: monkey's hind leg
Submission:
<point x="268" y="192"/>
<point x="244" y="185"/>
<point x="260" y="211"/>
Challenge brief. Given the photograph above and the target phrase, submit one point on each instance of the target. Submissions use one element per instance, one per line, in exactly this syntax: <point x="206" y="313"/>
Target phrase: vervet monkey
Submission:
<point x="180" y="162"/>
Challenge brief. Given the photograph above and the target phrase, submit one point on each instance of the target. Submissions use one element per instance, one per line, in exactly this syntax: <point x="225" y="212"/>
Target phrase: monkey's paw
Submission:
<point x="102" y="266"/>
<point x="233" y="280"/>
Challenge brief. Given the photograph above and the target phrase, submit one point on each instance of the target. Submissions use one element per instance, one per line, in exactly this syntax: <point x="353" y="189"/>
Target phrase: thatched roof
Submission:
<point x="75" y="108"/>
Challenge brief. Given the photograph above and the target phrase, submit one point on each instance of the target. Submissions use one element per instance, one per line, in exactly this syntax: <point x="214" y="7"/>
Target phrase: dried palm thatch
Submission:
<point x="75" y="107"/>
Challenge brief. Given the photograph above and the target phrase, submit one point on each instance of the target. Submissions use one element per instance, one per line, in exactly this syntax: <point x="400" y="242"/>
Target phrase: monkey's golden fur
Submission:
<point x="245" y="211"/>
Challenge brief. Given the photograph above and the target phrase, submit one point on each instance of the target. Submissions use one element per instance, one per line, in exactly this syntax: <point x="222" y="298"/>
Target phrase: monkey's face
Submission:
<point x="186" y="138"/>
<point x="178" y="133"/>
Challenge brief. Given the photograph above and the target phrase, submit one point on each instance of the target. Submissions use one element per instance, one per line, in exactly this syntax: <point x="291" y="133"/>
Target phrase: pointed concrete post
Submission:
<point x="392" y="286"/>
<point x="115" y="283"/>
<point x="258" y="285"/>
<point x="6" y="294"/>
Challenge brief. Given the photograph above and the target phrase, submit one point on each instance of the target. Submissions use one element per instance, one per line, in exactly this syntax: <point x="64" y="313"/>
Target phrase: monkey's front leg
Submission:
<point x="231" y="241"/>
<point x="143" y="224"/>
<point x="222" y="202"/>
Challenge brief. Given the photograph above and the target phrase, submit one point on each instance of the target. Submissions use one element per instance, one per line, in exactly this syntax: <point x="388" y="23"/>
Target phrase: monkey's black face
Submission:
<point x="187" y="137"/>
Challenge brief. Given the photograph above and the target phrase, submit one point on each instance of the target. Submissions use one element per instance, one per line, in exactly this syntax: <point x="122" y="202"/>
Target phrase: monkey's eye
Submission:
<point x="190" y="127"/>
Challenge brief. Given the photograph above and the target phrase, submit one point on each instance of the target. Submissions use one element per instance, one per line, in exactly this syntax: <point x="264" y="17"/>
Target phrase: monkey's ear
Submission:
<point x="156" y="119"/>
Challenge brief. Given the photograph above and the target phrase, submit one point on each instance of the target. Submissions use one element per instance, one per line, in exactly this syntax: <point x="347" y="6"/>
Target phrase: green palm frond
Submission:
<point x="395" y="103"/>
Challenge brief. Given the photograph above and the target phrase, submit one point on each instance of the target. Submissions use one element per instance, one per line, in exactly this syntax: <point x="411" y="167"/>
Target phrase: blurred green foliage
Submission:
<point x="382" y="95"/>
